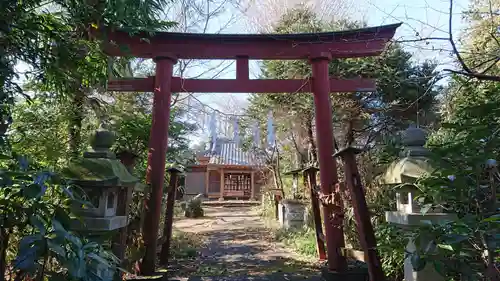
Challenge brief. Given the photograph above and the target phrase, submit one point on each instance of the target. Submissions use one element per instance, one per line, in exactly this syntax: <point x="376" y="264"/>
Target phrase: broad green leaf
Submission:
<point x="38" y="224"/>
<point x="68" y="192"/>
<point x="62" y="216"/>
<point x="454" y="238"/>
<point x="493" y="218"/>
<point x="90" y="246"/>
<point x="439" y="266"/>
<point x="82" y="266"/>
<point x="58" y="228"/>
<point x="77" y="243"/>
<point x="26" y="259"/>
<point x="28" y="241"/>
<point x="99" y="259"/>
<point x="32" y="191"/>
<point x="56" y="248"/>
<point x="446" y="247"/>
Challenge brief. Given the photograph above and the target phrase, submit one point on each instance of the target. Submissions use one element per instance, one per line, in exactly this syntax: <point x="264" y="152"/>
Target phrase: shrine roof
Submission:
<point x="228" y="152"/>
<point x="342" y="44"/>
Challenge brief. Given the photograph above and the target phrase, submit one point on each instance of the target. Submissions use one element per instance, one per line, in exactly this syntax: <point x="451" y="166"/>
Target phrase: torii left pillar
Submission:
<point x="158" y="141"/>
<point x="334" y="232"/>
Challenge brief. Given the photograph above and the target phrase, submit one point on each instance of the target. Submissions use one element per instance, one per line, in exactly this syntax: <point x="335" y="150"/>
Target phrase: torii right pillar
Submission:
<point x="334" y="232"/>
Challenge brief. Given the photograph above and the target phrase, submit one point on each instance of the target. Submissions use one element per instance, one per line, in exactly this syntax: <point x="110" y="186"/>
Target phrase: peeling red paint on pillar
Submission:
<point x="156" y="159"/>
<point x="327" y="164"/>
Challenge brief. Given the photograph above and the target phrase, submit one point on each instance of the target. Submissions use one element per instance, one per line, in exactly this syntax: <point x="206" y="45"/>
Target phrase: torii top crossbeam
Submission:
<point x="341" y="44"/>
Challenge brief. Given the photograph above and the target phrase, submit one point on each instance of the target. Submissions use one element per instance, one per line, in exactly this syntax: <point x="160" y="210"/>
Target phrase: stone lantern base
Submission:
<point x="100" y="224"/>
<point x="408" y="220"/>
<point x="292" y="214"/>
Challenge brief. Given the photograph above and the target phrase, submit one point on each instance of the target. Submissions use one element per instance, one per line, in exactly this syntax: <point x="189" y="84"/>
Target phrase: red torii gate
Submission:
<point x="319" y="48"/>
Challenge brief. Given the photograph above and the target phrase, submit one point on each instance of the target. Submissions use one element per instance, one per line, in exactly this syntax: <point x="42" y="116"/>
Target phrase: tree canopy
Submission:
<point x="405" y="94"/>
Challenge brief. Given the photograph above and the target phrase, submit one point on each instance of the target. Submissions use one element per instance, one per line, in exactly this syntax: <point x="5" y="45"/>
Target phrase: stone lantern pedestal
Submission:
<point x="408" y="218"/>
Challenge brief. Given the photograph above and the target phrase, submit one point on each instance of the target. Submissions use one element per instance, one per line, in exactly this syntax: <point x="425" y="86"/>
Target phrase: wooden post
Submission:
<point x="361" y="212"/>
<point x="305" y="183"/>
<point x="169" y="216"/>
<point x="156" y="160"/>
<point x="207" y="181"/>
<point x="221" y="197"/>
<point x="320" y="244"/>
<point x="327" y="164"/>
<point x="123" y="209"/>
<point x="242" y="70"/>
<point x="252" y="183"/>
<point x="295" y="184"/>
<point x="276" y="206"/>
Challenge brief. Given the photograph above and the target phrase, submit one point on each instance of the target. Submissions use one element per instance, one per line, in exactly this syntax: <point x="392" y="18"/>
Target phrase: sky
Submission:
<point x="424" y="18"/>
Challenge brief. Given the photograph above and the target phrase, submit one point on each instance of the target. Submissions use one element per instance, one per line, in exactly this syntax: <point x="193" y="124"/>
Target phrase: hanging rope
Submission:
<point x="270" y="130"/>
<point x="236" y="133"/>
<point x="220" y="124"/>
<point x="213" y="130"/>
<point x="256" y="135"/>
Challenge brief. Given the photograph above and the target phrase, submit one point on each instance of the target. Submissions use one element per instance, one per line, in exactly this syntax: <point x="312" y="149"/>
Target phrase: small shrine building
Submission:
<point x="226" y="171"/>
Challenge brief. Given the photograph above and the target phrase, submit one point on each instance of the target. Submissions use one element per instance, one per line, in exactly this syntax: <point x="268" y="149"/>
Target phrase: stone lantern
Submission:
<point x="403" y="173"/>
<point x="105" y="182"/>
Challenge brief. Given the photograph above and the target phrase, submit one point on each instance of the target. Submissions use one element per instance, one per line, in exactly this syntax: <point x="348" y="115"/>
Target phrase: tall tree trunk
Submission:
<point x="278" y="168"/>
<point x="75" y="125"/>
<point x="4" y="243"/>
<point x="310" y="140"/>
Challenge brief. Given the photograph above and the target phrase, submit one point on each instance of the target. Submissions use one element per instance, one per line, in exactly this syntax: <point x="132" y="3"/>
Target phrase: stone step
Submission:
<point x="230" y="203"/>
<point x="267" y="277"/>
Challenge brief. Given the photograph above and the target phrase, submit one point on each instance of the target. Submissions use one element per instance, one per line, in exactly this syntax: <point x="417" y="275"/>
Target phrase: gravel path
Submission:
<point x="239" y="247"/>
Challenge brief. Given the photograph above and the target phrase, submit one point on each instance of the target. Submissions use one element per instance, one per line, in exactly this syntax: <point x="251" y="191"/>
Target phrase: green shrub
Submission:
<point x="193" y="208"/>
<point x="302" y="242"/>
<point x="391" y="244"/>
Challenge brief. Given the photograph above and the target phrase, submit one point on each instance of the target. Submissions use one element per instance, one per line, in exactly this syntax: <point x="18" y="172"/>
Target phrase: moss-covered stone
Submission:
<point x="99" y="170"/>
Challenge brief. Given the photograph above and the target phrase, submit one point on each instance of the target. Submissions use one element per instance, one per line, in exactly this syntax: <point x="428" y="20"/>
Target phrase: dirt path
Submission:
<point x="237" y="245"/>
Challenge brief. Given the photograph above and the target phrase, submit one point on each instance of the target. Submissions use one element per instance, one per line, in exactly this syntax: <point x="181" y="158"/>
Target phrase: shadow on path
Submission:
<point x="237" y="246"/>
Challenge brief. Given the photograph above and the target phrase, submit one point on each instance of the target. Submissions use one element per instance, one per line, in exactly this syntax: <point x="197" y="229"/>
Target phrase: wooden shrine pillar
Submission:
<point x="310" y="173"/>
<point x="295" y="184"/>
<point x="207" y="181"/>
<point x="252" y="184"/>
<point x="221" y="196"/>
<point x="361" y="213"/>
<point x="169" y="215"/>
<point x="327" y="165"/>
<point x="156" y="159"/>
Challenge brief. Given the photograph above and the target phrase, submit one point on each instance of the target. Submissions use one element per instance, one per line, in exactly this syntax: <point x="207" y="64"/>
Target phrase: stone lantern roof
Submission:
<point x="100" y="167"/>
<point x="413" y="162"/>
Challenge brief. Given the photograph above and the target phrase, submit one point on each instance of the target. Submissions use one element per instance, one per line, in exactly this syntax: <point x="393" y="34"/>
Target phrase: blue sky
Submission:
<point x="427" y="18"/>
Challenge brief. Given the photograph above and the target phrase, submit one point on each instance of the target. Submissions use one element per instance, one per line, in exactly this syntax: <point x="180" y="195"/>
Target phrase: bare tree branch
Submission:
<point x="421" y="39"/>
<point x="475" y="75"/>
<point x="452" y="41"/>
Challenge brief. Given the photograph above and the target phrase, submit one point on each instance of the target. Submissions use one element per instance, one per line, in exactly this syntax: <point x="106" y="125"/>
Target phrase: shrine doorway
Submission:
<point x="237" y="185"/>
